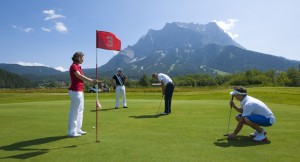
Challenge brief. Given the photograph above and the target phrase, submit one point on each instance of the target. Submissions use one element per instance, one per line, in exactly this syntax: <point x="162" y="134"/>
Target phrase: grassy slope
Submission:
<point x="33" y="127"/>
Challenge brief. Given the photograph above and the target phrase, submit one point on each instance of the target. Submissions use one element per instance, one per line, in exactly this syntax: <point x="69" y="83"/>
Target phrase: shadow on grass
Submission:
<point x="146" y="116"/>
<point x="103" y="109"/>
<point x="24" y="146"/>
<point x="240" y="141"/>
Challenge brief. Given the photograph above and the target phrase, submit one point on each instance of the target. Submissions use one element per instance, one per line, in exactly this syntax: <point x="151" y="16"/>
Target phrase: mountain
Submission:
<point x="12" y="80"/>
<point x="36" y="73"/>
<point x="23" y="70"/>
<point x="187" y="48"/>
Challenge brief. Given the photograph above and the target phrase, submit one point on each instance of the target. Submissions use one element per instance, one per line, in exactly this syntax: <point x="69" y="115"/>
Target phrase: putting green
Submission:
<point x="34" y="128"/>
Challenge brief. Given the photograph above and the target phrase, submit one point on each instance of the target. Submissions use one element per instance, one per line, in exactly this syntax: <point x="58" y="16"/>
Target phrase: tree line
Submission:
<point x="289" y="78"/>
<point x="11" y="80"/>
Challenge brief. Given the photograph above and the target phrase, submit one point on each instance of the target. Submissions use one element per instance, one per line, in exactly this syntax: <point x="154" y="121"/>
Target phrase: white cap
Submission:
<point x="119" y="69"/>
<point x="235" y="92"/>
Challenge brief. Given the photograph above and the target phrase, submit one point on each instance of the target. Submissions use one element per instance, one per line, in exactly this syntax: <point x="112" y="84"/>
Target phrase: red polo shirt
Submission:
<point x="76" y="83"/>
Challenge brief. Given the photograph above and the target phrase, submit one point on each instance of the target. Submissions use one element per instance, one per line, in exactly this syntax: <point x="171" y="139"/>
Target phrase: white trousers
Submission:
<point x="76" y="112"/>
<point x="120" y="89"/>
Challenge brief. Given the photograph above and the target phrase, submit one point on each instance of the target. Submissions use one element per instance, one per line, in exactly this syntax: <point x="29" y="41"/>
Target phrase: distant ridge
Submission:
<point x="36" y="70"/>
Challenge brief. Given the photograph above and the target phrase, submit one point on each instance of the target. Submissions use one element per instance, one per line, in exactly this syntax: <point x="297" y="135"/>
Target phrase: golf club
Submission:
<point x="160" y="104"/>
<point x="229" y="118"/>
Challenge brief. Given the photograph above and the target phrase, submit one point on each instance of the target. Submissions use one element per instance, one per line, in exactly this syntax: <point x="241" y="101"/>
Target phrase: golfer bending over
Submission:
<point x="253" y="113"/>
<point x="167" y="87"/>
<point x="76" y="95"/>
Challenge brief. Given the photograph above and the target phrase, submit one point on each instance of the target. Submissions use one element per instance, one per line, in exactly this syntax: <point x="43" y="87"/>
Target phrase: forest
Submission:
<point x="289" y="78"/>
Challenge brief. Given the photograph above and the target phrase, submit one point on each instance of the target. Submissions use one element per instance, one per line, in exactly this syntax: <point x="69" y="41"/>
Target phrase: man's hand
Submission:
<point x="232" y="104"/>
<point x="231" y="136"/>
<point x="95" y="81"/>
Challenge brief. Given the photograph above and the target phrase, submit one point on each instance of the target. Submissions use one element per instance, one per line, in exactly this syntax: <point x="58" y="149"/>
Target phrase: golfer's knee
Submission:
<point x="237" y="118"/>
<point x="247" y="121"/>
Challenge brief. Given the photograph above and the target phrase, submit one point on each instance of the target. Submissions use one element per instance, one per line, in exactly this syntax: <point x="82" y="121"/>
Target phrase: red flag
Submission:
<point x="107" y="40"/>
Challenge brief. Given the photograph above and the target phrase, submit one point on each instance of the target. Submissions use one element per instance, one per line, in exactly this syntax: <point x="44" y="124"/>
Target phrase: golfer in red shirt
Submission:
<point x="76" y="95"/>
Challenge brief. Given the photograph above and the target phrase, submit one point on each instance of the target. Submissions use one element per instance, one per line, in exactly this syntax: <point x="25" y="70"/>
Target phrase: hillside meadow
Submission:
<point x="34" y="127"/>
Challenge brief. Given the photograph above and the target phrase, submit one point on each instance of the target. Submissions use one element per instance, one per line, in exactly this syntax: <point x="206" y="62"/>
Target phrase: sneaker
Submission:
<point x="125" y="107"/>
<point x="260" y="137"/>
<point x="116" y="107"/>
<point x="81" y="132"/>
<point x="74" y="135"/>
<point x="255" y="133"/>
<point x="163" y="113"/>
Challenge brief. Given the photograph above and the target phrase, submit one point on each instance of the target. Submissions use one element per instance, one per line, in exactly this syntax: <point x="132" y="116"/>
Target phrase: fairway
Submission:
<point x="34" y="128"/>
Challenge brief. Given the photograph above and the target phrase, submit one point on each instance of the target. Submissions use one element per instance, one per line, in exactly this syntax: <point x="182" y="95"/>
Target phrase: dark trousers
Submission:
<point x="168" y="97"/>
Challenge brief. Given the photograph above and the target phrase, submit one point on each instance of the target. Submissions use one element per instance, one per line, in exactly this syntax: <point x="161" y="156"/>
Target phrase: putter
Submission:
<point x="160" y="104"/>
<point x="229" y="118"/>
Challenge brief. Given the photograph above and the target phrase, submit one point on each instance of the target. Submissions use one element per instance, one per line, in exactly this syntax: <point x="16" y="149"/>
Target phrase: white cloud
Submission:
<point x="60" y="68"/>
<point x="46" y="29"/>
<point x="52" y="15"/>
<point x="227" y="26"/>
<point x="29" y="64"/>
<point x="27" y="30"/>
<point x="59" y="26"/>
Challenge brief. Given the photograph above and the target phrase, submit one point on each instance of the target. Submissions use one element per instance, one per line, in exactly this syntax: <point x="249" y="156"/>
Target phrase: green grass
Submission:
<point x="34" y="125"/>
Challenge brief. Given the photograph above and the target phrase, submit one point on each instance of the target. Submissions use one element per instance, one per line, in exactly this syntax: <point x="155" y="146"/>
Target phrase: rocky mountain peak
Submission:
<point x="180" y="48"/>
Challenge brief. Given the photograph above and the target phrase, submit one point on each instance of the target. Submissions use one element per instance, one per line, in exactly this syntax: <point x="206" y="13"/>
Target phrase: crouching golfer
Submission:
<point x="254" y="113"/>
<point x="167" y="87"/>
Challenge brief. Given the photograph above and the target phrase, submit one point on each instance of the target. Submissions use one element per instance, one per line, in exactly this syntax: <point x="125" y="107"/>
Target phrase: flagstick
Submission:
<point x="97" y="97"/>
<point x="109" y="41"/>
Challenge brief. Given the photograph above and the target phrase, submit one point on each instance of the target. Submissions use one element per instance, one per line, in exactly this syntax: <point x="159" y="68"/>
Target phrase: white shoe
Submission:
<point x="255" y="133"/>
<point x="74" y="135"/>
<point x="81" y="132"/>
<point x="260" y="137"/>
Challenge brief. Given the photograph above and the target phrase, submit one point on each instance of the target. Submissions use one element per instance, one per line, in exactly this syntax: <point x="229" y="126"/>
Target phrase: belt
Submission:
<point x="171" y="83"/>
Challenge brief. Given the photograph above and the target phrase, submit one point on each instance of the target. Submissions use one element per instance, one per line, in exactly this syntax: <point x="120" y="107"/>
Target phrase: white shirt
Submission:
<point x="253" y="106"/>
<point x="165" y="78"/>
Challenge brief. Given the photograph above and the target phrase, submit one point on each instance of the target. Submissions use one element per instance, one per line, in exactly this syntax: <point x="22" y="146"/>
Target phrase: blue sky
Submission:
<point x="48" y="32"/>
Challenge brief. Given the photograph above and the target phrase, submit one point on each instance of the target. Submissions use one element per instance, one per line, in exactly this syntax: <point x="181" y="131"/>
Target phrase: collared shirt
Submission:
<point x="253" y="106"/>
<point x="76" y="83"/>
<point x="120" y="79"/>
<point x="165" y="78"/>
